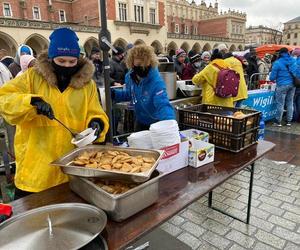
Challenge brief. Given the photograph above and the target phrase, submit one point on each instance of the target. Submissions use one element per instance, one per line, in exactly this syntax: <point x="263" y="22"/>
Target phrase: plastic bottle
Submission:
<point x="261" y="129"/>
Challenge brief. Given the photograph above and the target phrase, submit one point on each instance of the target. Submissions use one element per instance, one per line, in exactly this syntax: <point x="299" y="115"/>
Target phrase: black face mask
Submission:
<point x="66" y="72"/>
<point x="141" y="71"/>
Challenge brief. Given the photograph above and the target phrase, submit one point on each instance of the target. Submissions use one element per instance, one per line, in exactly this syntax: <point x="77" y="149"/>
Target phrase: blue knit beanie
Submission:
<point x="63" y="42"/>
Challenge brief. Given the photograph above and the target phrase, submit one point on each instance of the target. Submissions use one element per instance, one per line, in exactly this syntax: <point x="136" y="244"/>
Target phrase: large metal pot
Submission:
<point x="167" y="72"/>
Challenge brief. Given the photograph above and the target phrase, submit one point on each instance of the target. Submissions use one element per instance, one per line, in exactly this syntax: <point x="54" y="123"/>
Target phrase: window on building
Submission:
<point x="176" y="28"/>
<point x="62" y="16"/>
<point x="288" y="36"/>
<point x="186" y="29"/>
<point x="139" y="13"/>
<point x="36" y="13"/>
<point x="152" y="16"/>
<point x="7" y="10"/>
<point x="296" y="35"/>
<point x="122" y="11"/>
<point x="195" y="32"/>
<point x="233" y="29"/>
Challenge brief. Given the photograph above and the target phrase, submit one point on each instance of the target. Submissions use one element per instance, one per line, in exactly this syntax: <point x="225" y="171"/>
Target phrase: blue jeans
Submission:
<point x="284" y="96"/>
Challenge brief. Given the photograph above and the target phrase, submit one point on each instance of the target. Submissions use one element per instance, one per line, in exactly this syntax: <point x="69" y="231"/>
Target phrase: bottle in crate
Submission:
<point x="261" y="129"/>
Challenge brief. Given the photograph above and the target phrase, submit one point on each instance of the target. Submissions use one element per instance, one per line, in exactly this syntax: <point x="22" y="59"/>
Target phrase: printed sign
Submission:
<point x="262" y="100"/>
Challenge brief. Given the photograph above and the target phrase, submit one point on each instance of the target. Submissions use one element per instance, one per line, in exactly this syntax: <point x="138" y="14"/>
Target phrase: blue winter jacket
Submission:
<point x="149" y="97"/>
<point x="280" y="72"/>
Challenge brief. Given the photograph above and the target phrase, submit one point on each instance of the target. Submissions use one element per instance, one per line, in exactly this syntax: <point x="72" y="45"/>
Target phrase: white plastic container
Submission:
<point x="164" y="133"/>
<point x="89" y="137"/>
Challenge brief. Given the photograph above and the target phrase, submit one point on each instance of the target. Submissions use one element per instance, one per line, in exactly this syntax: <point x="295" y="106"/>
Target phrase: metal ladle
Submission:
<point x="75" y="135"/>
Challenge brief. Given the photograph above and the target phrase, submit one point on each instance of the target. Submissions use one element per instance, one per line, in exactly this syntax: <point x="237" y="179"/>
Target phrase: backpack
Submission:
<point x="227" y="82"/>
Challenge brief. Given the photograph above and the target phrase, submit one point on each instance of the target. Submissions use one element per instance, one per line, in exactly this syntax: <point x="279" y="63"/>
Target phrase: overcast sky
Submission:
<point x="266" y="12"/>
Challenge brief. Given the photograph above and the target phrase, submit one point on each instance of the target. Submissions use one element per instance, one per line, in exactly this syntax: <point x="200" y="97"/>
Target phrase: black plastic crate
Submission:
<point x="229" y="142"/>
<point x="210" y="117"/>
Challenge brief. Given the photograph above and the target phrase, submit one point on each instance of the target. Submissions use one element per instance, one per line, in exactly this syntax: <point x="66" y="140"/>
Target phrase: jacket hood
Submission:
<point x="81" y="78"/>
<point x="25" y="60"/>
<point x="18" y="54"/>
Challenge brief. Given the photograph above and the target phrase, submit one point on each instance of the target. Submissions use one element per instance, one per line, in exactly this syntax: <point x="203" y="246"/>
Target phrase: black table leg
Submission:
<point x="210" y="195"/>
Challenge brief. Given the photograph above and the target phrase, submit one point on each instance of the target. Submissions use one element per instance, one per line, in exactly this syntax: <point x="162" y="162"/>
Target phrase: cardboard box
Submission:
<point x="175" y="157"/>
<point x="200" y="151"/>
<point x="194" y="136"/>
<point x="204" y="153"/>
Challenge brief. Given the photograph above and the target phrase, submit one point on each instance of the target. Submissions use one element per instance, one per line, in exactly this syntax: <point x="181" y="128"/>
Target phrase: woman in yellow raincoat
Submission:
<point x="58" y="85"/>
<point x="207" y="78"/>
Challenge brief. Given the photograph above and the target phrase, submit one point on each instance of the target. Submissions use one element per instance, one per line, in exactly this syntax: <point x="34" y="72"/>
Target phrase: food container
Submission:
<point x="120" y="206"/>
<point x="55" y="227"/>
<point x="88" y="137"/>
<point x="65" y="163"/>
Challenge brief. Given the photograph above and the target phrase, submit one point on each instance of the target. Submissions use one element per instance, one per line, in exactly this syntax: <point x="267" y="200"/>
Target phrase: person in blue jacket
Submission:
<point x="145" y="88"/>
<point x="296" y="55"/>
<point x="282" y="72"/>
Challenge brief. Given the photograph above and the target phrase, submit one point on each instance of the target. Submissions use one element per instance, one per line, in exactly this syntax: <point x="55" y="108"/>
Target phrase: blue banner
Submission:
<point x="261" y="100"/>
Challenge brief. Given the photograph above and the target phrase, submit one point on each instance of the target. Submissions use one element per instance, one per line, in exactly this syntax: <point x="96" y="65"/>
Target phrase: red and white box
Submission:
<point x="175" y="157"/>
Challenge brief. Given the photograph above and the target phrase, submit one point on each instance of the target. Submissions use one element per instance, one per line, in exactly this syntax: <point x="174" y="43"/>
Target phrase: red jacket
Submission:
<point x="188" y="72"/>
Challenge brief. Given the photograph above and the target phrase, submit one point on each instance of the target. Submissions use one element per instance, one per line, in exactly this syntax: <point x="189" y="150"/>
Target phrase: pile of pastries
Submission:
<point x="115" y="187"/>
<point x="114" y="160"/>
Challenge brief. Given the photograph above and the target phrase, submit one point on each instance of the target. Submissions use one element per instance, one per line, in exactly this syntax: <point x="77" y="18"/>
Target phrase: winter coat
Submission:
<point x="117" y="71"/>
<point x="207" y="78"/>
<point x="24" y="62"/>
<point x="98" y="76"/>
<point x="7" y="60"/>
<point x="179" y="68"/>
<point x="149" y="97"/>
<point x="252" y="67"/>
<point x="15" y="67"/>
<point x="280" y="72"/>
<point x="237" y="66"/>
<point x="39" y="140"/>
<point x="5" y="74"/>
<point x="188" y="72"/>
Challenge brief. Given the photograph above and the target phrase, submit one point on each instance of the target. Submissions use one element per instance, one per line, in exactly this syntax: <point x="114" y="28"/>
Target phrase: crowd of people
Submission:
<point x="62" y="83"/>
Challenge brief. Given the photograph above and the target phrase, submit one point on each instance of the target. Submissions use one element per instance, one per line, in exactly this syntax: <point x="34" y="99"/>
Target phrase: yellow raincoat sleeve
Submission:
<point x="95" y="111"/>
<point x="15" y="98"/>
<point x="198" y="79"/>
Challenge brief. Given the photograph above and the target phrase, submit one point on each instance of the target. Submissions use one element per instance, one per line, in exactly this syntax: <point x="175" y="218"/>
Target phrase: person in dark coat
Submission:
<point x="252" y="64"/>
<point x="193" y="67"/>
<point x="179" y="62"/>
<point x="98" y="76"/>
<point x="117" y="69"/>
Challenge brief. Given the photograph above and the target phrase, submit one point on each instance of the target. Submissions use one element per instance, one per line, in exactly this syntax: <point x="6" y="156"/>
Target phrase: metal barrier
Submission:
<point x="254" y="80"/>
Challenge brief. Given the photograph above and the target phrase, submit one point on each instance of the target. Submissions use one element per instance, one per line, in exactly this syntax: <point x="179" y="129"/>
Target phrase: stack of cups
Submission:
<point x="164" y="133"/>
<point x="140" y="139"/>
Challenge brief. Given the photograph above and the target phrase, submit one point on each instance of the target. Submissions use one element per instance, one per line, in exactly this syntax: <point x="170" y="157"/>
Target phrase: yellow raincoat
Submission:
<point x="39" y="140"/>
<point x="237" y="66"/>
<point x="207" y="78"/>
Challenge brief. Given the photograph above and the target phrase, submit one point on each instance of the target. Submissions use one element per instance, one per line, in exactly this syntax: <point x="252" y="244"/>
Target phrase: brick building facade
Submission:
<point x="164" y="24"/>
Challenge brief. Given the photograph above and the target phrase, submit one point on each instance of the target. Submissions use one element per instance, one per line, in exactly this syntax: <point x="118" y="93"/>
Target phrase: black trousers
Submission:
<point x="20" y="193"/>
<point x="140" y="127"/>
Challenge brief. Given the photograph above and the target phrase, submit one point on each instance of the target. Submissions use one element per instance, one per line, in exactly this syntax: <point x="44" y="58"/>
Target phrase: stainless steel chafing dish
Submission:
<point x="120" y="206"/>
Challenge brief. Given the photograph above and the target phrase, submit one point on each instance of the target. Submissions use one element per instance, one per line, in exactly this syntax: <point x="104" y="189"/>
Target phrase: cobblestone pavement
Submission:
<point x="275" y="213"/>
<point x="294" y="129"/>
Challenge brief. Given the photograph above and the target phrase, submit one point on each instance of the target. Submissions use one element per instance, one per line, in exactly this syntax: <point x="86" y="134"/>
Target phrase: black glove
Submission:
<point x="98" y="125"/>
<point x="42" y="107"/>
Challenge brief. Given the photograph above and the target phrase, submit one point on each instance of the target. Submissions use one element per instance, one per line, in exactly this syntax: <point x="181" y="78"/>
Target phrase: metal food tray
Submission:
<point x="67" y="168"/>
<point x="118" y="206"/>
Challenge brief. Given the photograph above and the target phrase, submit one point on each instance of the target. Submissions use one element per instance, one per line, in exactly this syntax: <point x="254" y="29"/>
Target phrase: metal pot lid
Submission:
<point x="60" y="227"/>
